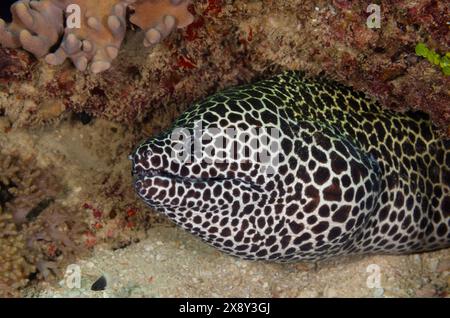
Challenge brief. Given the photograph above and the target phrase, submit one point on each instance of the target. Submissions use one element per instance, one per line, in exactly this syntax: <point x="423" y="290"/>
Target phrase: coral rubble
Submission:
<point x="94" y="30"/>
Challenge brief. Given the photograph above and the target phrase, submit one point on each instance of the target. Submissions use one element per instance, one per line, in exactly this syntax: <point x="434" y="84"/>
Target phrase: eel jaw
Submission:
<point x="150" y="173"/>
<point x="150" y="183"/>
<point x="154" y="173"/>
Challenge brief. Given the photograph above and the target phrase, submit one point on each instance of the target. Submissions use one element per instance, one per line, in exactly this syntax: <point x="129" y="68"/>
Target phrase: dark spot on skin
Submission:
<point x="306" y="247"/>
<point x="210" y="117"/>
<point x="225" y="232"/>
<point x="356" y="171"/>
<point x="302" y="238"/>
<point x="311" y="192"/>
<point x="289" y="179"/>
<point x="296" y="227"/>
<point x="285" y="241"/>
<point x="271" y="240"/>
<point x="322" y="140"/>
<point x="279" y="208"/>
<point x="338" y="164"/>
<point x="349" y="194"/>
<point x="334" y="233"/>
<point x="319" y="228"/>
<point x="333" y="192"/>
<point x="268" y="117"/>
<point x="303" y="174"/>
<point x="359" y="194"/>
<point x="292" y="209"/>
<point x="286" y="145"/>
<point x="321" y="175"/>
<point x="346" y="181"/>
<point x="311" y="219"/>
<point x="324" y="211"/>
<point x="261" y="253"/>
<point x="399" y="200"/>
<point x="441" y="230"/>
<point x="341" y="214"/>
<point x="446" y="206"/>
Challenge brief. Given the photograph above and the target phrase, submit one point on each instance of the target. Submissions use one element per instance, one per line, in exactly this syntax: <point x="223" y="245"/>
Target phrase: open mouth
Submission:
<point x="150" y="173"/>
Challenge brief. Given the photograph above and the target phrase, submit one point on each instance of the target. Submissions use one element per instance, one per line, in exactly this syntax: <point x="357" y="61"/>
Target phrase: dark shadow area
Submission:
<point x="5" y="13"/>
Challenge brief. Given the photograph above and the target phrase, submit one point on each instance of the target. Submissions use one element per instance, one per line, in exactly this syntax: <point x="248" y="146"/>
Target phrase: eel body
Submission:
<point x="350" y="177"/>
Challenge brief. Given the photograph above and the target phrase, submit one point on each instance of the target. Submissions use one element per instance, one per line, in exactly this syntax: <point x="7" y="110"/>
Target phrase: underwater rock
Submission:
<point x="99" y="284"/>
<point x="229" y="44"/>
<point x="15" y="65"/>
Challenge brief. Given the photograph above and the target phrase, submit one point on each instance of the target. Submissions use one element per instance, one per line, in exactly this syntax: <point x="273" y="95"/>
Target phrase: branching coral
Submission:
<point x="95" y="42"/>
<point x="25" y="188"/>
<point x="57" y="237"/>
<point x="16" y="264"/>
<point x="36" y="235"/>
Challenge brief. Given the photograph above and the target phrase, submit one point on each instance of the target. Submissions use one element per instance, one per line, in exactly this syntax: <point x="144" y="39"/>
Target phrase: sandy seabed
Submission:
<point x="172" y="263"/>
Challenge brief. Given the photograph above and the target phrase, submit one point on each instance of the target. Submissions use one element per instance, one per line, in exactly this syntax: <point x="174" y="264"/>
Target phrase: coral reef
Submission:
<point x="93" y="31"/>
<point x="97" y="40"/>
<point x="232" y="43"/>
<point x="25" y="191"/>
<point x="37" y="236"/>
<point x="16" y="264"/>
<point x="87" y="124"/>
<point x="159" y="17"/>
<point x="88" y="204"/>
<point x="57" y="236"/>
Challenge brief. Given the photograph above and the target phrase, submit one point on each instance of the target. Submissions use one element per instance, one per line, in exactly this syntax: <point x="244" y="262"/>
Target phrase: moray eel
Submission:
<point x="351" y="177"/>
